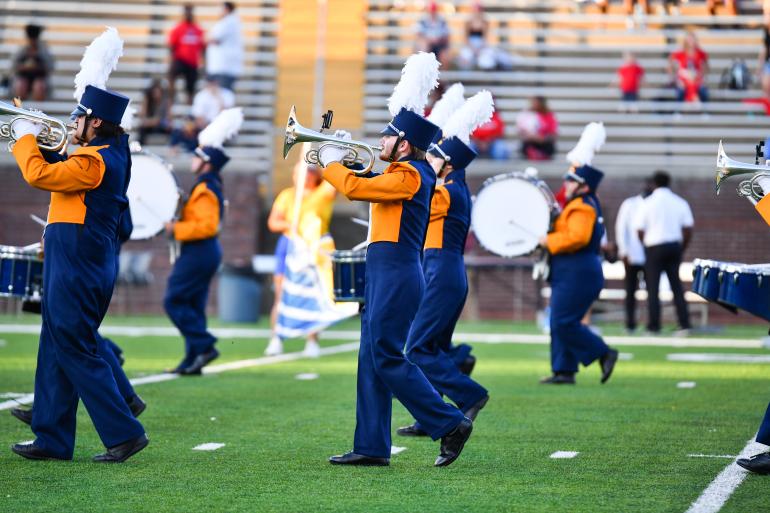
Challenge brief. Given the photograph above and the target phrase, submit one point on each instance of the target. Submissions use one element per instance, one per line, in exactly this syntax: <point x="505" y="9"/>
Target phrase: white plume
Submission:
<point x="223" y="127"/>
<point x="449" y="102"/>
<point x="129" y="116"/>
<point x="476" y="111"/>
<point x="419" y="76"/>
<point x="99" y="60"/>
<point x="593" y="137"/>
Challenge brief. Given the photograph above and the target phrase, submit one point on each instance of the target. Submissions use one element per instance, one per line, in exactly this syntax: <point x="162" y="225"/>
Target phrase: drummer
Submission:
<point x="446" y="287"/>
<point x="576" y="279"/>
<point x="198" y="231"/>
<point x="315" y="213"/>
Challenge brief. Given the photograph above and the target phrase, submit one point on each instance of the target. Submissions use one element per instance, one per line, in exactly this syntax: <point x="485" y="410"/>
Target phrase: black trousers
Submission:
<point x="664" y="258"/>
<point x="633" y="272"/>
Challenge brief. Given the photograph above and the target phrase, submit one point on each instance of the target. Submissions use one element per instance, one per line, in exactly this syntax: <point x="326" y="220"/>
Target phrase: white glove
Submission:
<point x="342" y="134"/>
<point x="22" y="127"/>
<point x="331" y="153"/>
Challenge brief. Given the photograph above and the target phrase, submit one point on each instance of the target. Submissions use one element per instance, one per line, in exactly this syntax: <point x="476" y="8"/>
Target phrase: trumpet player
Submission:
<point x="88" y="196"/>
<point x="400" y="198"/>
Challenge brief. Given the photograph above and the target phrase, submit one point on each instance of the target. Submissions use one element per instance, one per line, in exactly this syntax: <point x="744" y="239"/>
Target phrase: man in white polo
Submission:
<point x="630" y="249"/>
<point x="664" y="224"/>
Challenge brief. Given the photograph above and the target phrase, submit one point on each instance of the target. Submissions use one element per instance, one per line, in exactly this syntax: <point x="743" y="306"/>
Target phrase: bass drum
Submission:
<point x="153" y="194"/>
<point x="511" y="213"/>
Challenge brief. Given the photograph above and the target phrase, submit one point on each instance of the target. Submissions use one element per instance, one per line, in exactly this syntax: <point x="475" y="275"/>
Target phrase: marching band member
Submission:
<point x="400" y="200"/>
<point x="760" y="463"/>
<point x="106" y="348"/>
<point x="88" y="195"/>
<point x="446" y="288"/>
<point x="315" y="213"/>
<point x="576" y="269"/>
<point x="198" y="231"/>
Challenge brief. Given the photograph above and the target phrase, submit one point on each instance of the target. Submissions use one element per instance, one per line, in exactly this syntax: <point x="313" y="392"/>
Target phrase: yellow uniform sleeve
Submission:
<point x="200" y="216"/>
<point x="439" y="206"/>
<point x="400" y="181"/>
<point x="573" y="228"/>
<point x="283" y="201"/>
<point x="82" y="171"/>
<point x="763" y="207"/>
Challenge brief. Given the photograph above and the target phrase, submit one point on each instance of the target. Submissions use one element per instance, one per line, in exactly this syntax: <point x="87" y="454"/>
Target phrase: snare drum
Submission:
<point x="511" y="212"/>
<point x="349" y="269"/>
<point x="153" y="194"/>
<point x="708" y="276"/>
<point x="747" y="287"/>
<point x="21" y="272"/>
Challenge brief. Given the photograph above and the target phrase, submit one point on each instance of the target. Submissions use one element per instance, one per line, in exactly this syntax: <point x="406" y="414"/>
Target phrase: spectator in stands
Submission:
<point x="477" y="52"/>
<point x="629" y="80"/>
<point x="210" y="101"/>
<point x="631" y="250"/>
<point x="32" y="65"/>
<point x="185" y="136"/>
<point x="487" y="140"/>
<point x="433" y="33"/>
<point x="731" y="6"/>
<point x="636" y="10"/>
<point x="664" y="224"/>
<point x="224" y="53"/>
<point x="186" y="44"/>
<point x="155" y="113"/>
<point x="688" y="69"/>
<point x="537" y="128"/>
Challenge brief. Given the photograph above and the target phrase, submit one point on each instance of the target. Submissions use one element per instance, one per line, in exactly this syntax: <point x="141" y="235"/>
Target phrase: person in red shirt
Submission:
<point x="186" y="43"/>
<point x="537" y="129"/>
<point x="688" y="68"/>
<point x="487" y="139"/>
<point x="630" y="75"/>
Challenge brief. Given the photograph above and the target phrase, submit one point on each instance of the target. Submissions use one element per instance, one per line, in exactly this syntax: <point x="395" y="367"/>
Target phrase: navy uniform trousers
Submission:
<point x="78" y="279"/>
<point x="109" y="350"/>
<point x="394" y="287"/>
<point x="576" y="281"/>
<point x="188" y="291"/>
<point x="763" y="435"/>
<point x="431" y="333"/>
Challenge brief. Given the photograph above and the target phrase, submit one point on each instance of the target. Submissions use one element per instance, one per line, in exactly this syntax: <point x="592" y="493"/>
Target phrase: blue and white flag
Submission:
<point x="305" y="306"/>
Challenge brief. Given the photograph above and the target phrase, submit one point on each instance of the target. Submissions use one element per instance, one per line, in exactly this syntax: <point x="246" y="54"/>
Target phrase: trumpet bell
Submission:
<point x="290" y="138"/>
<point x="728" y="167"/>
<point x="53" y="136"/>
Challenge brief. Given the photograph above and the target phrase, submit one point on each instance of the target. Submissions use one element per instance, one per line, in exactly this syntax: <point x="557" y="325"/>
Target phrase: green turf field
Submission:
<point x="633" y="436"/>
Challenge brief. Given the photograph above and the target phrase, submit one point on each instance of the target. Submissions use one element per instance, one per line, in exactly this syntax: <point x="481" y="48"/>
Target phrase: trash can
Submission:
<point x="238" y="294"/>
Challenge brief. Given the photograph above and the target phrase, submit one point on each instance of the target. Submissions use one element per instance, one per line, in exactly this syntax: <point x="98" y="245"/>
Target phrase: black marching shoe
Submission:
<point x="467" y="365"/>
<point x="452" y="443"/>
<point x="352" y="458"/>
<point x="122" y="452"/>
<point x="33" y="452"/>
<point x="559" y="378"/>
<point x="179" y="368"/>
<point x="474" y="410"/>
<point x="200" y="361"/>
<point x="23" y="415"/>
<point x="412" y="430"/>
<point x="759" y="463"/>
<point x="136" y="405"/>
<point x="608" y="362"/>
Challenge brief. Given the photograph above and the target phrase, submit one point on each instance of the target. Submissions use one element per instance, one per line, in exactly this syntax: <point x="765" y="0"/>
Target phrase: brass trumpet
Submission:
<point x="727" y="168"/>
<point x="53" y="137"/>
<point x="296" y="133"/>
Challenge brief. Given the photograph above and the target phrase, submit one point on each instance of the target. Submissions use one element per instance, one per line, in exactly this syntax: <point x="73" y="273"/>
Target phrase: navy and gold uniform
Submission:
<point x="201" y="254"/>
<point x="88" y="195"/>
<point x="400" y="198"/>
<point x="576" y="277"/>
<point x="430" y="338"/>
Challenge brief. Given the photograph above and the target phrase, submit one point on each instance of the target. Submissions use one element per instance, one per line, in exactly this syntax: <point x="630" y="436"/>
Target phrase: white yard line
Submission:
<point x="563" y="455"/>
<point x="481" y="338"/>
<point x="726" y="456"/>
<point x="722" y="487"/>
<point x="211" y="369"/>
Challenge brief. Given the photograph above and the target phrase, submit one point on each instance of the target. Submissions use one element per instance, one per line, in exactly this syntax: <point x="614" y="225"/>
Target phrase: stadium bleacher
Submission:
<point x="144" y="25"/>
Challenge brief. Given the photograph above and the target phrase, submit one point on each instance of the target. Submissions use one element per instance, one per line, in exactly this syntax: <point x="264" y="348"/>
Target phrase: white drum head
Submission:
<point x="153" y="195"/>
<point x="510" y="215"/>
